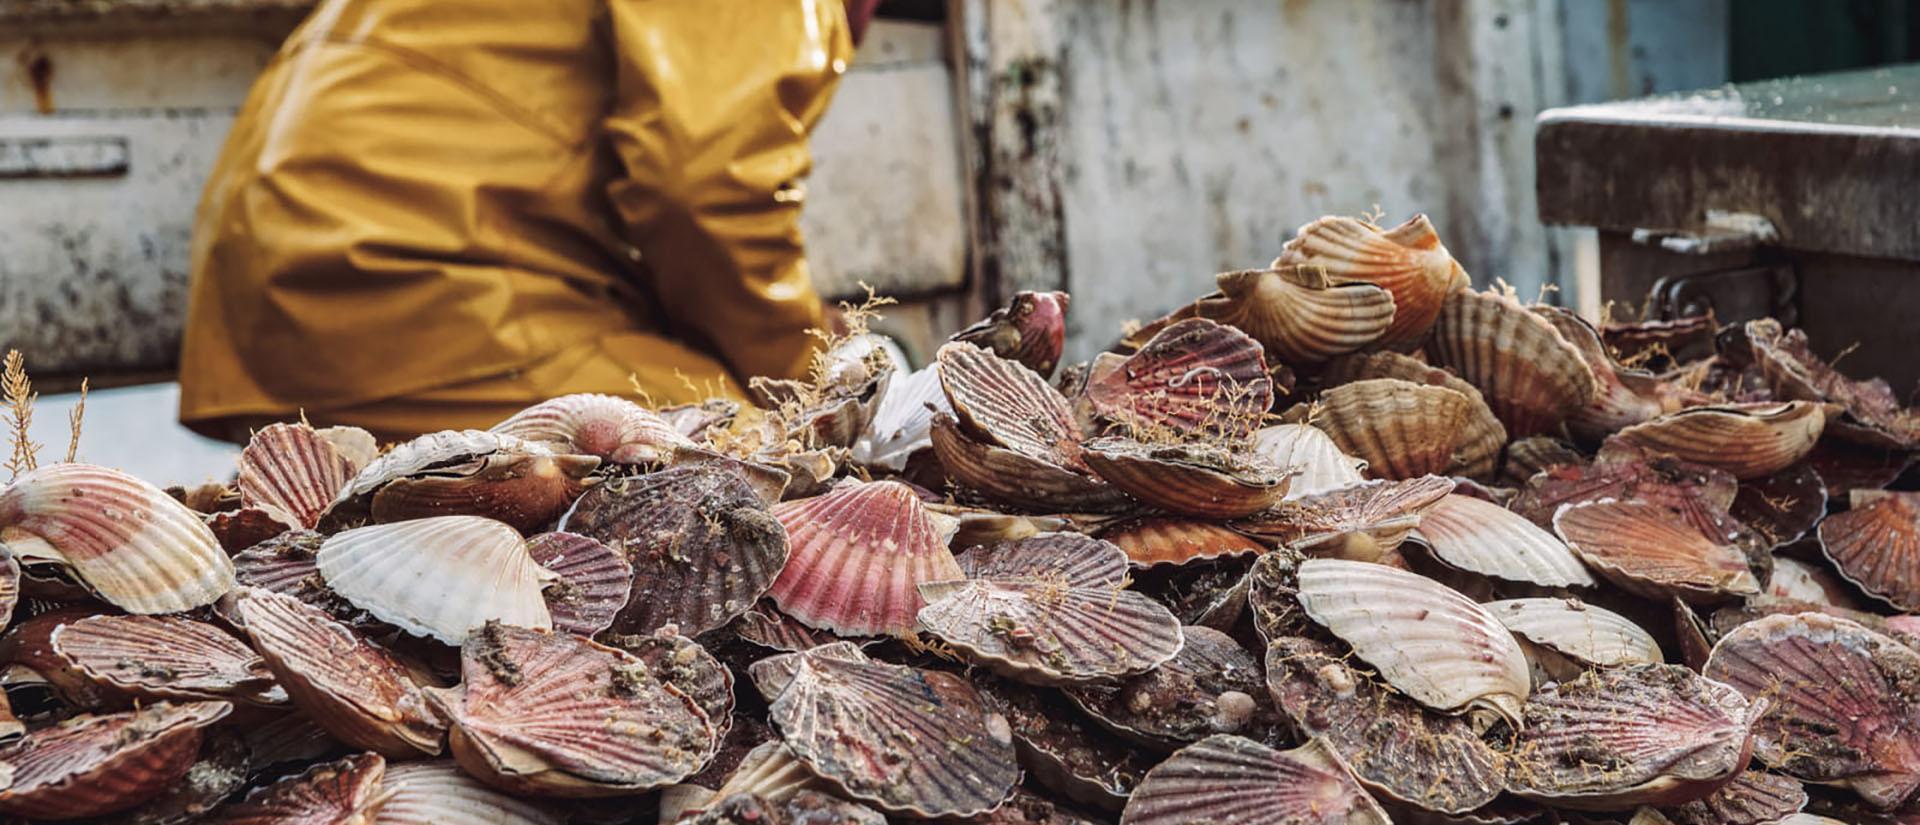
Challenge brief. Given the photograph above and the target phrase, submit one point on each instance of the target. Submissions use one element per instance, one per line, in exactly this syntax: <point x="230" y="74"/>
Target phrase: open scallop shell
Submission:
<point x="1196" y="479"/>
<point x="1050" y="610"/>
<point x="554" y="714"/>
<point x="1751" y="798"/>
<point x="1650" y="734"/>
<point x="702" y="545"/>
<point x="166" y="657"/>
<point x="438" y="577"/>
<point x="902" y="422"/>
<point x="1482" y="537"/>
<point x="1310" y="452"/>
<point x="220" y="771"/>
<point x="93" y="765"/>
<point x="1842" y="701"/>
<point x="1004" y="404"/>
<point x="1231" y="780"/>
<point x="1747" y="440"/>
<point x="1649" y="550"/>
<point x="1575" y="635"/>
<point x="1622" y="397"/>
<point x="352" y="688"/>
<point x="1063" y="752"/>
<point x="1213" y="685"/>
<point x="908" y="741"/>
<point x="1783" y="507"/>
<point x="1030" y="329"/>
<point x="285" y="564"/>
<point x="1874" y="414"/>
<point x="1407" y="260"/>
<point x="1150" y="542"/>
<point x="858" y="553"/>
<point x="464" y="472"/>
<point x="1394" y="746"/>
<point x="1363" y="522"/>
<point x="1010" y="478"/>
<point x="1430" y="642"/>
<point x="438" y="792"/>
<point x="135" y="546"/>
<point x="1876" y="545"/>
<point x="593" y="581"/>
<point x="1530" y="375"/>
<point x="1193" y="377"/>
<point x="292" y="470"/>
<point x="606" y="426"/>
<point x="342" y="792"/>
<point x="684" y="664"/>
<point x="1298" y="313"/>
<point x="1479" y="446"/>
<point x="1401" y="429"/>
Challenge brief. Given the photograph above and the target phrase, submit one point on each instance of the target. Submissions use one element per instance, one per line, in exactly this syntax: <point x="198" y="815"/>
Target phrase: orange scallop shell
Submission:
<point x="858" y="554"/>
<point x="1407" y="260"/>
<point x="1648" y="550"/>
<point x="93" y="765"/>
<point x="1747" y="440"/>
<point x="1479" y="445"/>
<point x="606" y="426"/>
<point x="1401" y="429"/>
<point x="1298" y="313"/>
<point x="1195" y="376"/>
<point x="1531" y="377"/>
<point x="291" y="469"/>
<point x="1150" y="542"/>
<point x="1876" y="545"/>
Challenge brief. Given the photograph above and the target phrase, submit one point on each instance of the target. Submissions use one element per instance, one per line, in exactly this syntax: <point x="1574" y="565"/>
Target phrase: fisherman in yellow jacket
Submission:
<point x="432" y="213"/>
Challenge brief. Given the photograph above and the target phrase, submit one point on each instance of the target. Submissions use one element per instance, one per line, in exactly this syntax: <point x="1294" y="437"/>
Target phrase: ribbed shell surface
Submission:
<point x="594" y="582"/>
<point x="1407" y="260"/>
<point x="1179" y="702"/>
<point x="1876" y="545"/>
<point x="1754" y="797"/>
<point x="1747" y="440"/>
<point x="438" y="577"/>
<point x="1590" y="634"/>
<point x="92" y="765"/>
<point x="1311" y="453"/>
<point x="1647" y="549"/>
<point x="166" y="657"/>
<point x="1016" y="480"/>
<point x="858" y="553"/>
<point x="1530" y="376"/>
<point x="1482" y="537"/>
<point x="330" y="793"/>
<point x="1401" y="429"/>
<point x="1622" y="397"/>
<point x="293" y="470"/>
<point x="1384" y="512"/>
<point x="1301" y="316"/>
<point x="902" y="422"/>
<point x="1479" y="445"/>
<point x="1230" y="780"/>
<point x="1009" y="406"/>
<point x="1208" y="482"/>
<point x="1195" y="376"/>
<point x="606" y="426"/>
<point x="1150" y="542"/>
<point x="438" y="792"/>
<point x="684" y="664"/>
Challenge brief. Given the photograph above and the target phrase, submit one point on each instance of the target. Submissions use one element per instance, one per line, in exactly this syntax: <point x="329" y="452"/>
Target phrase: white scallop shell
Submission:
<point x="438" y="576"/>
<point x="1311" y="451"/>
<point x="438" y="791"/>
<point x="1579" y="630"/>
<point x="902" y="422"/>
<point x="1481" y="537"/>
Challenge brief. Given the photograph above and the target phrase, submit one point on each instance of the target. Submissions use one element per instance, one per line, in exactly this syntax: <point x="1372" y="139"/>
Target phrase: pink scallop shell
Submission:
<point x="291" y="469"/>
<point x="1649" y="550"/>
<point x="93" y="765"/>
<point x="166" y="657"/>
<point x="1229" y="779"/>
<point x="594" y="582"/>
<point x="606" y="426"/>
<point x="342" y="792"/>
<point x="1007" y="405"/>
<point x="1195" y="376"/>
<point x="858" y="554"/>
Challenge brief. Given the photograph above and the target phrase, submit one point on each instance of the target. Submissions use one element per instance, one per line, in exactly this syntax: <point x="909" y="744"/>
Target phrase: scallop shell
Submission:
<point x="1230" y="780"/>
<point x="291" y="470"/>
<point x="858" y="553"/>
<point x="1273" y="587"/>
<point x="1874" y="415"/>
<point x="770" y="772"/>
<point x="1876" y="545"/>
<point x="1622" y="397"/>
<point x="593" y="585"/>
<point x="438" y="577"/>
<point x="554" y="714"/>
<point x="1648" y="550"/>
<point x="218" y="773"/>
<point x="902" y="422"/>
<point x="1150" y="542"/>
<point x="1013" y="479"/>
<point x="1394" y="746"/>
<point x="681" y="662"/>
<point x="605" y="426"/>
<point x="865" y="728"/>
<point x="165" y="657"/>
<point x="767" y="627"/>
<point x="341" y="792"/>
<point x="1847" y="467"/>
<point x="1299" y="314"/>
<point x="1807" y="582"/>
<point x="1311" y="453"/>
<point x="1573" y="630"/>
<point x="1193" y="377"/>
<point x="438" y="792"/>
<point x="1528" y="456"/>
<point x="1479" y="445"/>
<point x="1482" y="537"/>
<point x="27" y="650"/>
<point x="285" y="564"/>
<point x="132" y="544"/>
<point x="702" y="545"/>
<point x="1189" y="479"/>
<point x="1783" y="507"/>
<point x="9" y="585"/>
<point x="1050" y="610"/>
<point x="355" y="690"/>
<point x="237" y="530"/>
<point x="1063" y="752"/>
<point x="1407" y="260"/>
<point x="1649" y="734"/>
<point x="772" y="674"/>
<point x="1843" y="699"/>
<point x="1752" y="798"/>
<point x="1007" y="405"/>
<point x="1530" y="375"/>
<point x="1401" y="429"/>
<point x="1031" y="329"/>
<point x="1747" y="440"/>
<point x="1364" y="521"/>
<point x="1213" y="685"/>
<point x="463" y="472"/>
<point x="1662" y="480"/>
<point x="1430" y="642"/>
<point x="93" y="765"/>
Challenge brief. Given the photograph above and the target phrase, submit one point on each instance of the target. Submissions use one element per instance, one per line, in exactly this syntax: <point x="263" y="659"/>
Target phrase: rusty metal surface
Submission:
<point x="1830" y="161"/>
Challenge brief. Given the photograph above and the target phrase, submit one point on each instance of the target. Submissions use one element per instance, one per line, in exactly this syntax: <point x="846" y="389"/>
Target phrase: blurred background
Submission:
<point x="1122" y="150"/>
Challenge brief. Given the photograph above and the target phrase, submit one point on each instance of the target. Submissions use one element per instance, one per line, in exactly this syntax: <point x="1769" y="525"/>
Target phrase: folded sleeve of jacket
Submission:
<point x="714" y="101"/>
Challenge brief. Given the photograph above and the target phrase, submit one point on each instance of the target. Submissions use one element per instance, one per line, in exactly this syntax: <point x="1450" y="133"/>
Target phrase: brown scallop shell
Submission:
<point x="1309" y="452"/>
<point x="291" y="470"/>
<point x="702" y="545"/>
<point x="606" y="426"/>
<point x="1747" y="440"/>
<point x="135" y="546"/>
<point x="1363" y="522"/>
<point x="1050" y="610"/>
<point x="438" y="792"/>
<point x="594" y="581"/>
<point x="464" y="472"/>
<point x="1618" y="737"/>
<point x="1783" y="507"/>
<point x="1479" y="446"/>
<point x="1876" y="545"/>
<point x="1663" y="480"/>
<point x="1530" y="375"/>
<point x="684" y="664"/>
<point x="1407" y="260"/>
<point x="1004" y="404"/>
<point x="1009" y="478"/>
<point x="554" y="714"/>
<point x="220" y="771"/>
<point x="1062" y="751"/>
<point x="1842" y="701"/>
<point x="1401" y="429"/>
<point x="93" y="765"/>
<point x="1030" y="329"/>
<point x="237" y="530"/>
<point x="1649" y="550"/>
<point x="1622" y="397"/>
<point x="1874" y="415"/>
<point x="351" y="687"/>
<point x="858" y="553"/>
<point x="1300" y="314"/>
<point x="866" y="728"/>
<point x="166" y="657"/>
<point x="1752" y="798"/>
<point x="342" y="792"/>
<point x="1201" y="480"/>
<point x="1212" y="685"/>
<point x="1394" y="746"/>
<point x="767" y="627"/>
<point x="1193" y="377"/>
<point x="1536" y="454"/>
<point x="1484" y="538"/>
<point x="9" y="585"/>
<point x="1150" y="542"/>
<point x="1231" y="780"/>
<point x="27" y="650"/>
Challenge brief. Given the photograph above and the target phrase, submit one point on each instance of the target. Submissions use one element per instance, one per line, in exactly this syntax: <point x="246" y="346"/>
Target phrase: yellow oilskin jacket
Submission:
<point x="431" y="213"/>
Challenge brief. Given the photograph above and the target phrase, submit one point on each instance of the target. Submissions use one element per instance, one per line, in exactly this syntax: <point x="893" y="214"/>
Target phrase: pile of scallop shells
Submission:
<point x="1345" y="541"/>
